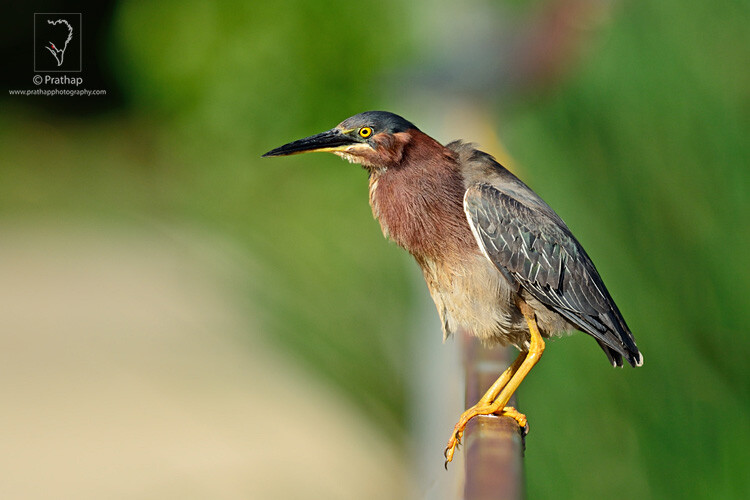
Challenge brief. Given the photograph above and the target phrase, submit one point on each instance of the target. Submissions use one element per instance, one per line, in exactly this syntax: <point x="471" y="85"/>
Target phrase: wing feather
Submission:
<point x="536" y="250"/>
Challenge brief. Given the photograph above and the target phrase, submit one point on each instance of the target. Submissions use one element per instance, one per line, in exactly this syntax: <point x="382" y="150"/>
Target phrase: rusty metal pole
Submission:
<point x="493" y="447"/>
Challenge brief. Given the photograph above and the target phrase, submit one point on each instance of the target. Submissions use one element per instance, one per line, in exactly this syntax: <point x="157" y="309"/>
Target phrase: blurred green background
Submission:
<point x="631" y="119"/>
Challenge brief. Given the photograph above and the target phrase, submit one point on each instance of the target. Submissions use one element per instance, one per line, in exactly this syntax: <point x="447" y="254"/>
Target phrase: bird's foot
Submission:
<point x="458" y="429"/>
<point x="519" y="417"/>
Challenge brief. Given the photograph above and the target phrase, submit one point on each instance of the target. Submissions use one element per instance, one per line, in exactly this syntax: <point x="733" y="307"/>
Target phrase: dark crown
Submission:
<point x="379" y="121"/>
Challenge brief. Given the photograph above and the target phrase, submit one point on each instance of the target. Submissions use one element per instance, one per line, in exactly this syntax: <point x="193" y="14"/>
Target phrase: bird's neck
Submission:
<point x="419" y="203"/>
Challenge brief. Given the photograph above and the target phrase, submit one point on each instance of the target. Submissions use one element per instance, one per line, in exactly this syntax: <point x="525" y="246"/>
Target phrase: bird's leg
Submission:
<point x="515" y="374"/>
<point x="501" y="382"/>
<point x="536" y="348"/>
<point x="489" y="396"/>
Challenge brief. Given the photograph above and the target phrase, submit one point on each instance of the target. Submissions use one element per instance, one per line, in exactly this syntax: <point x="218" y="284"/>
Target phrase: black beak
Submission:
<point x="331" y="140"/>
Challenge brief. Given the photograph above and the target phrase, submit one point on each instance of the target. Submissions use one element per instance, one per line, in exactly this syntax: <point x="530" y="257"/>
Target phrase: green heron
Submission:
<point x="498" y="261"/>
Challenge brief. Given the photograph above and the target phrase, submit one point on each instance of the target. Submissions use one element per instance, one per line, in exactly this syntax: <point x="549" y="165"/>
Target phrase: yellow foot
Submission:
<point x="516" y="415"/>
<point x="458" y="429"/>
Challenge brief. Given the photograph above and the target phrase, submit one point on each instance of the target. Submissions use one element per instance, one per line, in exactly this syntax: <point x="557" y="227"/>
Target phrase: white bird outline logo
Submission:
<point x="59" y="54"/>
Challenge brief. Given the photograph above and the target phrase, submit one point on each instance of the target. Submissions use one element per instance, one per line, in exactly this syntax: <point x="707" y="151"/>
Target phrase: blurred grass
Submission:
<point x="643" y="151"/>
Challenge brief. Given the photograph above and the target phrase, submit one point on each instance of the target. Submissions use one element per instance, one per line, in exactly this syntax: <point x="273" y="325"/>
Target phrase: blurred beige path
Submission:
<point x="129" y="369"/>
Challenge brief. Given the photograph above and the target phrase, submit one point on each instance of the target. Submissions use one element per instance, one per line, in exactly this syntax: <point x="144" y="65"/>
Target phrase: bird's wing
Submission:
<point x="536" y="251"/>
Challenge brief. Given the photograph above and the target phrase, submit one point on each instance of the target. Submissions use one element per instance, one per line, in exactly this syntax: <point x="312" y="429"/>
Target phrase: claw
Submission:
<point x="451" y="449"/>
<point x="519" y="417"/>
<point x="458" y="431"/>
<point x="449" y="455"/>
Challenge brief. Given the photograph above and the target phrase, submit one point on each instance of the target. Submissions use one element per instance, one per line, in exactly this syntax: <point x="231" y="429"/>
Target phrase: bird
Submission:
<point x="498" y="261"/>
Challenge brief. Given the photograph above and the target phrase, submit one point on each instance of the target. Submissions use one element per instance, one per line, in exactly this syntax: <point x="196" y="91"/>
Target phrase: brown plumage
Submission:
<point x="498" y="261"/>
<point x="419" y="201"/>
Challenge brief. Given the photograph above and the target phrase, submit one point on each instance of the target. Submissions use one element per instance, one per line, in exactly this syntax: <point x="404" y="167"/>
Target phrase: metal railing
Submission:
<point x="493" y="446"/>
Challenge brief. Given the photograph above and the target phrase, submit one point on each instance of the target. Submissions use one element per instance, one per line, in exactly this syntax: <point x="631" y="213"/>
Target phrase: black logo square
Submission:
<point x="57" y="42"/>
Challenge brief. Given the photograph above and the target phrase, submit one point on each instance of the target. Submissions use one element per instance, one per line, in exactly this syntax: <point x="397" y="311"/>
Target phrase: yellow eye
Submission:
<point x="365" y="132"/>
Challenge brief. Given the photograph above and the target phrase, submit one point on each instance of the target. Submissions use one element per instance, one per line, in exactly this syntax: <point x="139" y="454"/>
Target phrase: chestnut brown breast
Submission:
<point x="419" y="203"/>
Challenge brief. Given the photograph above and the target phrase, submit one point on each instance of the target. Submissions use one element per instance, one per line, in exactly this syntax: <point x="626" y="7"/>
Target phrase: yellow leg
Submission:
<point x="501" y="382"/>
<point x="494" y="403"/>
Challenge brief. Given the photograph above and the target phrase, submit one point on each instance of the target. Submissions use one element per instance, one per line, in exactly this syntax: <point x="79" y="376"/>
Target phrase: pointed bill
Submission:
<point x="331" y="140"/>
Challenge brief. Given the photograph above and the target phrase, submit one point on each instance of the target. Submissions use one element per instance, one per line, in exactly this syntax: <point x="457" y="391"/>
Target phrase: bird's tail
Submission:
<point x="627" y="347"/>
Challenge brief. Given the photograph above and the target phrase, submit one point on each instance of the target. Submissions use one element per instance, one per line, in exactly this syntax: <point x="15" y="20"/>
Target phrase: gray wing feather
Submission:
<point x="535" y="250"/>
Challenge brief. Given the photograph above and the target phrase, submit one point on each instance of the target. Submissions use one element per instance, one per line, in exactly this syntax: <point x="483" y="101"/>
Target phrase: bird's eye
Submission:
<point x="365" y="132"/>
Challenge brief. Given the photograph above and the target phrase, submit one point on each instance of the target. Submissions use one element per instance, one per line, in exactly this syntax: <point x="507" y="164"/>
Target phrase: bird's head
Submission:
<point x="374" y="139"/>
